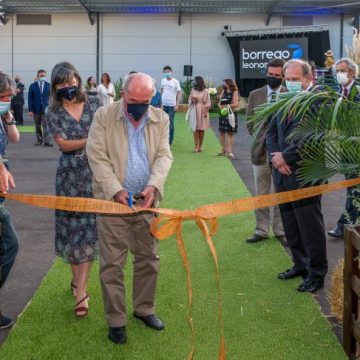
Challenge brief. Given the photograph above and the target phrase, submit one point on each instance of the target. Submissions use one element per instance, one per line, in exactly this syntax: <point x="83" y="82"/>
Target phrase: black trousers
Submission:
<point x="18" y="114"/>
<point x="8" y="244"/>
<point x="305" y="233"/>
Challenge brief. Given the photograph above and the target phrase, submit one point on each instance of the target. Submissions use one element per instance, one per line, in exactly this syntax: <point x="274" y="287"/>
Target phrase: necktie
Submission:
<point x="272" y="96"/>
<point x="41" y="87"/>
<point x="345" y="92"/>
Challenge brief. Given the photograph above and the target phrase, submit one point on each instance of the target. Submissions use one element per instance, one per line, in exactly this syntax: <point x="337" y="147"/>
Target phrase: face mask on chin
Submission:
<point x="4" y="107"/>
<point x="136" y="111"/>
<point x="67" y="93"/>
<point x="342" y="78"/>
<point x="293" y="86"/>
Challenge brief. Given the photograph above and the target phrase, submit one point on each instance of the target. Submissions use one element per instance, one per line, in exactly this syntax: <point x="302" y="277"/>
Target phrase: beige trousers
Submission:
<point x="263" y="186"/>
<point x="118" y="235"/>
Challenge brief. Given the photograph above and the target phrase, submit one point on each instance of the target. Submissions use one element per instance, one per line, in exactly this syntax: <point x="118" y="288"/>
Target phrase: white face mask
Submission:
<point x="342" y="78"/>
<point x="4" y="107"/>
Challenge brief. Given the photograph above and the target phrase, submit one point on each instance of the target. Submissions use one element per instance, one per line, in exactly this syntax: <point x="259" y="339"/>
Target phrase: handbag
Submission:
<point x="242" y="105"/>
<point x="191" y="116"/>
<point x="231" y="116"/>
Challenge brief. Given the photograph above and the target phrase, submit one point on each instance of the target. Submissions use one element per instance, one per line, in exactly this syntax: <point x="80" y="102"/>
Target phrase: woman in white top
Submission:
<point x="106" y="89"/>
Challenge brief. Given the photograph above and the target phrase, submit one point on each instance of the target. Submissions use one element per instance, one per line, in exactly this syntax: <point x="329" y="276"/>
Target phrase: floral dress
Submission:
<point x="224" y="125"/>
<point x="75" y="233"/>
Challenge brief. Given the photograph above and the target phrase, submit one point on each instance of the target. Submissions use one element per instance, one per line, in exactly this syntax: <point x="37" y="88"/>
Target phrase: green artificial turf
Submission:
<point x="264" y="318"/>
<point x="26" y="129"/>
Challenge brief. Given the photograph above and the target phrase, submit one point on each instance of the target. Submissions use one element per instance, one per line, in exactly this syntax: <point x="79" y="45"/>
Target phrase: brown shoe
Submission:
<point x="82" y="311"/>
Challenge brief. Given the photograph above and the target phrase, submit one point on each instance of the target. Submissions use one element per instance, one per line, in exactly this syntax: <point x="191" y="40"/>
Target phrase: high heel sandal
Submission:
<point x="222" y="153"/>
<point x="73" y="288"/>
<point x="81" y="311"/>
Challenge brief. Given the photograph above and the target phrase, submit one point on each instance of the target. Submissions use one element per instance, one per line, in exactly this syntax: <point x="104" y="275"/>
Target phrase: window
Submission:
<point x="290" y="20"/>
<point x="33" y="19"/>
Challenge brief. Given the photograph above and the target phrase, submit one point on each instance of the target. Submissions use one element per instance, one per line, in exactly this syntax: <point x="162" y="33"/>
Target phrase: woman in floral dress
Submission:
<point x="69" y="116"/>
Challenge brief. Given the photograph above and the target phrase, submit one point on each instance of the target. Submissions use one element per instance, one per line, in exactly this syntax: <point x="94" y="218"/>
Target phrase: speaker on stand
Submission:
<point x="188" y="69"/>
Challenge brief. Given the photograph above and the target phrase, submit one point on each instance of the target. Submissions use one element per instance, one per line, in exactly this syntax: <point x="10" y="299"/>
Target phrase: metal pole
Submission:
<point x="12" y="45"/>
<point x="97" y="48"/>
<point x="341" y="35"/>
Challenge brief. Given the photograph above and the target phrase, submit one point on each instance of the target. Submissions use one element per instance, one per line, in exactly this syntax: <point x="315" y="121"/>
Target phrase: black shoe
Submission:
<point x="256" y="238"/>
<point x="5" y="322"/>
<point x="151" y="321"/>
<point x="292" y="274"/>
<point x="337" y="232"/>
<point x="311" y="285"/>
<point x="38" y="143"/>
<point x="48" y="144"/>
<point x="117" y="334"/>
<point x="282" y="239"/>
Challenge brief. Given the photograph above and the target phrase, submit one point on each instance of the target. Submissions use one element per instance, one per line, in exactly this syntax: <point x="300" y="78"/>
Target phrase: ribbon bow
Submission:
<point x="170" y="223"/>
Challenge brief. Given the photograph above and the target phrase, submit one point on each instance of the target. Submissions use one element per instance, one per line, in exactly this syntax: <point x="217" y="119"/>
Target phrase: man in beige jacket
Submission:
<point x="128" y="151"/>
<point x="259" y="155"/>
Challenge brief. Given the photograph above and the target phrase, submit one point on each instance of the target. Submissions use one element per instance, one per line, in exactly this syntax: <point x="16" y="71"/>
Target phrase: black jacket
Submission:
<point x="19" y="98"/>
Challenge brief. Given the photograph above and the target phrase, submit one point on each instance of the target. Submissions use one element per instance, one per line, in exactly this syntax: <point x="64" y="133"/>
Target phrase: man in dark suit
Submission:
<point x="302" y="219"/>
<point x="17" y="102"/>
<point x="259" y="156"/>
<point x="39" y="92"/>
<point x="346" y="73"/>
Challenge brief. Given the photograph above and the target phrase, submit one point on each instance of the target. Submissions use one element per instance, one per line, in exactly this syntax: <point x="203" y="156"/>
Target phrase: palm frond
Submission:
<point x="327" y="131"/>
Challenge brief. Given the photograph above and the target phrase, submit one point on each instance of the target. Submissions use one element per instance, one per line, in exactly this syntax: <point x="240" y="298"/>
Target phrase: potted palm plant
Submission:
<point x="328" y="135"/>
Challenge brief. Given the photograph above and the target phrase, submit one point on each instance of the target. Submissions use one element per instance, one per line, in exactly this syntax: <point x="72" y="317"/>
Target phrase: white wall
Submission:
<point x="335" y="31"/>
<point x="69" y="38"/>
<point x="144" y="42"/>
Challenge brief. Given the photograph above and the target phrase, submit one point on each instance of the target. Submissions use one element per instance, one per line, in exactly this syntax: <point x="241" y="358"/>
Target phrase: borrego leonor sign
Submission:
<point x="255" y="54"/>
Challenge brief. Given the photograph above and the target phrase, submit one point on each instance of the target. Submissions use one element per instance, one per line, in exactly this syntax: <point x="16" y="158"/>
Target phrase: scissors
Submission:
<point x="131" y="200"/>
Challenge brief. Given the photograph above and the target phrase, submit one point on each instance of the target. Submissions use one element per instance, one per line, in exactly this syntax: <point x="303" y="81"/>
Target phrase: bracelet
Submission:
<point x="12" y="122"/>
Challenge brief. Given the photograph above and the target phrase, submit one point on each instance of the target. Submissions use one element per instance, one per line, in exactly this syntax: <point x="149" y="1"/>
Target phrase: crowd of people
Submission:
<point x="121" y="151"/>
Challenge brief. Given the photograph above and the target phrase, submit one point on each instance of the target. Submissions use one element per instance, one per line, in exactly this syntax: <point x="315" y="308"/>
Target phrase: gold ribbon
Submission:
<point x="170" y="222"/>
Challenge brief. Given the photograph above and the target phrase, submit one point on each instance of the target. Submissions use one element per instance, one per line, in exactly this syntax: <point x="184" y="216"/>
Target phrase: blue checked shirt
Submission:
<point x="138" y="169"/>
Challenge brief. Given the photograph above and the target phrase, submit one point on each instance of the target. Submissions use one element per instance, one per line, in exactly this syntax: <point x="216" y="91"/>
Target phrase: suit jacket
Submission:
<point x="19" y="98"/>
<point x="38" y="101"/>
<point x="107" y="149"/>
<point x="276" y="141"/>
<point x="354" y="93"/>
<point x="258" y="149"/>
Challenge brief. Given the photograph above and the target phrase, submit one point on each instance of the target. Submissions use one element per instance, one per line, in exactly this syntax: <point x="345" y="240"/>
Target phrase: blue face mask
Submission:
<point x="167" y="75"/>
<point x="42" y="78"/>
<point x="4" y="107"/>
<point x="294" y="85"/>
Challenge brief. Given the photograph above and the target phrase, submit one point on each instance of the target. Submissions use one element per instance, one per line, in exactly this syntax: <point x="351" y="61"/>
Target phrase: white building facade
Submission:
<point x="138" y="42"/>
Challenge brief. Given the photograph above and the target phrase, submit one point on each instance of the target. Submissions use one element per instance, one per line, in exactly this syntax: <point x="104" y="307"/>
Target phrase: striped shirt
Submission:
<point x="138" y="168"/>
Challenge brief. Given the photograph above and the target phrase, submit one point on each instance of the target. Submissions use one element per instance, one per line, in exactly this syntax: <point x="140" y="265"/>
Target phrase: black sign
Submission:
<point x="255" y="54"/>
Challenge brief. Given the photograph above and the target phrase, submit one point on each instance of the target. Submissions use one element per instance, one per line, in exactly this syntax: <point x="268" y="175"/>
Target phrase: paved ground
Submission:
<point x="34" y="171"/>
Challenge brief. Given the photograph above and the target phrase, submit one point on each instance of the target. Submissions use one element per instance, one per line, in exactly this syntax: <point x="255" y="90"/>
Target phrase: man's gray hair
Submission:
<point x="130" y="77"/>
<point x="6" y="83"/>
<point x="305" y="66"/>
<point x="350" y="64"/>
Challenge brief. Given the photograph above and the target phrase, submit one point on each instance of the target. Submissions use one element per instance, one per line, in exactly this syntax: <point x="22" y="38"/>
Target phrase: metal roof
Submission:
<point x="273" y="7"/>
